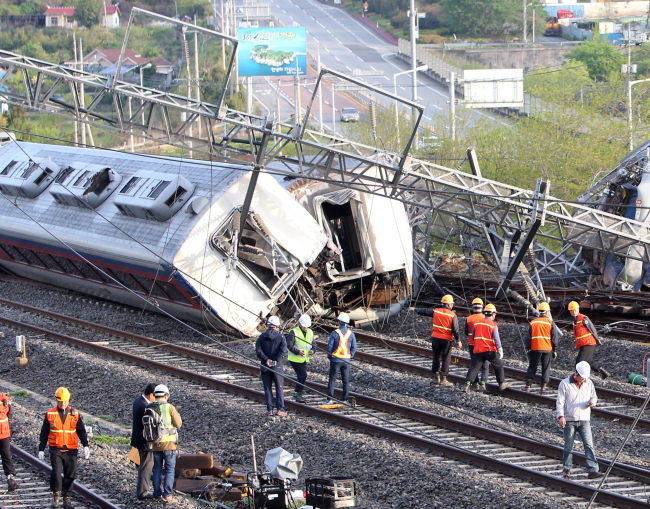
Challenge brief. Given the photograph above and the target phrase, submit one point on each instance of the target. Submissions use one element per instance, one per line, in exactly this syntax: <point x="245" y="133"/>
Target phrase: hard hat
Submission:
<point x="584" y="369"/>
<point x="273" y="321"/>
<point x="543" y="306"/>
<point x="344" y="318"/>
<point x="490" y="308"/>
<point x="304" y="320"/>
<point x="447" y="299"/>
<point x="477" y="302"/>
<point x="160" y="390"/>
<point x="62" y="394"/>
<point x="573" y="305"/>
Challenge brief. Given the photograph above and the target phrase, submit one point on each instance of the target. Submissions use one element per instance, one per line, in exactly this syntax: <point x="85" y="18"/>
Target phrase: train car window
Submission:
<point x="87" y="272"/>
<point x="180" y="191"/>
<point x="158" y="188"/>
<point x="128" y="187"/>
<point x="30" y="257"/>
<point x="172" y="292"/>
<point x="65" y="173"/>
<point x="14" y="253"/>
<point x="343" y="229"/>
<point x="8" y="168"/>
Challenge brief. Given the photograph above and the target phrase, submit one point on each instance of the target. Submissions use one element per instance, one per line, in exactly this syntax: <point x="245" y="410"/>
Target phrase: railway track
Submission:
<point x="34" y="491"/>
<point x="613" y="405"/>
<point x="488" y="450"/>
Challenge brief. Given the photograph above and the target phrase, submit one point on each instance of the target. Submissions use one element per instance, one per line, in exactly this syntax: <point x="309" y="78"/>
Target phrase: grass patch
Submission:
<point x="111" y="440"/>
<point x="19" y="393"/>
<point x="110" y="418"/>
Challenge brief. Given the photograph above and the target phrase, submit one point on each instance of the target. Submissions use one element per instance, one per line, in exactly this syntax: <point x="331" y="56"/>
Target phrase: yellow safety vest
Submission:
<point x="166" y="417"/>
<point x="301" y="341"/>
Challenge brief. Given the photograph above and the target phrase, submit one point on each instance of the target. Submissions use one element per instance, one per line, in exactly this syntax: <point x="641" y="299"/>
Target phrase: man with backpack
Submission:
<point x="137" y="440"/>
<point x="160" y="425"/>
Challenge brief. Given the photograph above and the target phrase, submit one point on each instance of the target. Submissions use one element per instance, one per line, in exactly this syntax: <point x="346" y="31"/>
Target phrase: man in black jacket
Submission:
<point x="138" y="441"/>
<point x="270" y="348"/>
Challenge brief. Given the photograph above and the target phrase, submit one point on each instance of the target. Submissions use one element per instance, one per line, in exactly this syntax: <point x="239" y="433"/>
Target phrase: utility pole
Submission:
<point x="525" y="20"/>
<point x="414" y="60"/>
<point x="629" y="90"/>
<point x="452" y="105"/>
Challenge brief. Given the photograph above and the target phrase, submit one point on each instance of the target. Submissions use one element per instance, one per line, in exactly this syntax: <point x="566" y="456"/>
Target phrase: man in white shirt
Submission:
<point x="575" y="397"/>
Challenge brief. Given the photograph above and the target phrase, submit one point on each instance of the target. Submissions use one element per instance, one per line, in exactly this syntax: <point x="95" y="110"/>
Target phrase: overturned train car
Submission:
<point x="625" y="191"/>
<point x="164" y="232"/>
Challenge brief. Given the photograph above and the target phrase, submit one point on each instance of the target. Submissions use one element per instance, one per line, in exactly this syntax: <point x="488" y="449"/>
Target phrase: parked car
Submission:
<point x="349" y="115"/>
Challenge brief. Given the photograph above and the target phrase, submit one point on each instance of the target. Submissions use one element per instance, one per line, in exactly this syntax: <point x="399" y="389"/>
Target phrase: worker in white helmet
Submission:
<point x="270" y="348"/>
<point x="300" y="343"/>
<point x="341" y="347"/>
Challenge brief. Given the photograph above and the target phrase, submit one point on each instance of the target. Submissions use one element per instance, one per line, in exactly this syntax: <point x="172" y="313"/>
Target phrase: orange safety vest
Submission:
<point x="63" y="434"/>
<point x="541" y="329"/>
<point x="343" y="350"/>
<point x="582" y="334"/>
<point x="442" y="321"/>
<point x="5" y="432"/>
<point x="471" y="321"/>
<point x="483" y="336"/>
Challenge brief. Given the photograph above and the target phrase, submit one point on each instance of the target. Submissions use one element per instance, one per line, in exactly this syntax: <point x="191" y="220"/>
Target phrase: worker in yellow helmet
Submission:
<point x="444" y="330"/>
<point x="476" y="316"/>
<point x="540" y="346"/>
<point x="586" y="339"/>
<point x="62" y="430"/>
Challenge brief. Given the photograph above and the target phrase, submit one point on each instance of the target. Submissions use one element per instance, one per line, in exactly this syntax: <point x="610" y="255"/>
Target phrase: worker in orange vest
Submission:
<point x="444" y="331"/>
<point x="5" y="442"/>
<point x="341" y="347"/>
<point x="477" y="315"/>
<point x="540" y="346"/>
<point x="62" y="430"/>
<point x="487" y="347"/>
<point x="586" y="338"/>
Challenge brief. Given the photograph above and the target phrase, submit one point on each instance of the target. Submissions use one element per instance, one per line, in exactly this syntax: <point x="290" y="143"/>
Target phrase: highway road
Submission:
<point x="347" y="46"/>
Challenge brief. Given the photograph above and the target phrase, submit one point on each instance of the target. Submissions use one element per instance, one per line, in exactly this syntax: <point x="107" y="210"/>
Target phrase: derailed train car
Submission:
<point x="165" y="232"/>
<point x="625" y="191"/>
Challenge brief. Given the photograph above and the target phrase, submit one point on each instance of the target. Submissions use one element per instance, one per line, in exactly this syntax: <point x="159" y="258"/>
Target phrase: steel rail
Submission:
<point x="78" y="489"/>
<point x="418" y="441"/>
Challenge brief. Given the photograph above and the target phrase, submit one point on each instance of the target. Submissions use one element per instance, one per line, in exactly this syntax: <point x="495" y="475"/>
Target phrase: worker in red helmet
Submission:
<point x="540" y="346"/>
<point x="586" y="339"/>
<point x="5" y="442"/>
<point x="443" y="332"/>
<point x="62" y="430"/>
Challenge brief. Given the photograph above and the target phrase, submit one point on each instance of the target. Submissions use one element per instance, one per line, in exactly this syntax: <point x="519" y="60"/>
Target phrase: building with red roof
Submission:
<point x="60" y="17"/>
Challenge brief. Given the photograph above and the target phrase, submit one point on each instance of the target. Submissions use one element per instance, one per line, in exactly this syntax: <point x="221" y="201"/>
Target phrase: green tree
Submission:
<point x="86" y="12"/>
<point x="601" y="58"/>
<point x="481" y="17"/>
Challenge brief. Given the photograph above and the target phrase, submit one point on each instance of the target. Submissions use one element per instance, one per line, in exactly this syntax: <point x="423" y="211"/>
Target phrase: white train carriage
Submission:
<point x="124" y="226"/>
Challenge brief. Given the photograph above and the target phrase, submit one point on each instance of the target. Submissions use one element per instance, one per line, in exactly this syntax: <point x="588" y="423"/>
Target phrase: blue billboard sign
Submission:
<point x="273" y="51"/>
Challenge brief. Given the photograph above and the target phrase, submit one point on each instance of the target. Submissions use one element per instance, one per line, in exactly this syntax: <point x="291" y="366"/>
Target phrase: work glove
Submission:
<point x="528" y="354"/>
<point x="500" y="353"/>
<point x="554" y="354"/>
<point x="41" y="455"/>
<point x="86" y="452"/>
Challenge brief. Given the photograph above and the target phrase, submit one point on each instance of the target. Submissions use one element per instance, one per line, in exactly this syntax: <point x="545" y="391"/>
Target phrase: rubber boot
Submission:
<point x="11" y="483"/>
<point x="67" y="503"/>
<point x="436" y="377"/>
<point x="444" y="382"/>
<point x="55" y="499"/>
